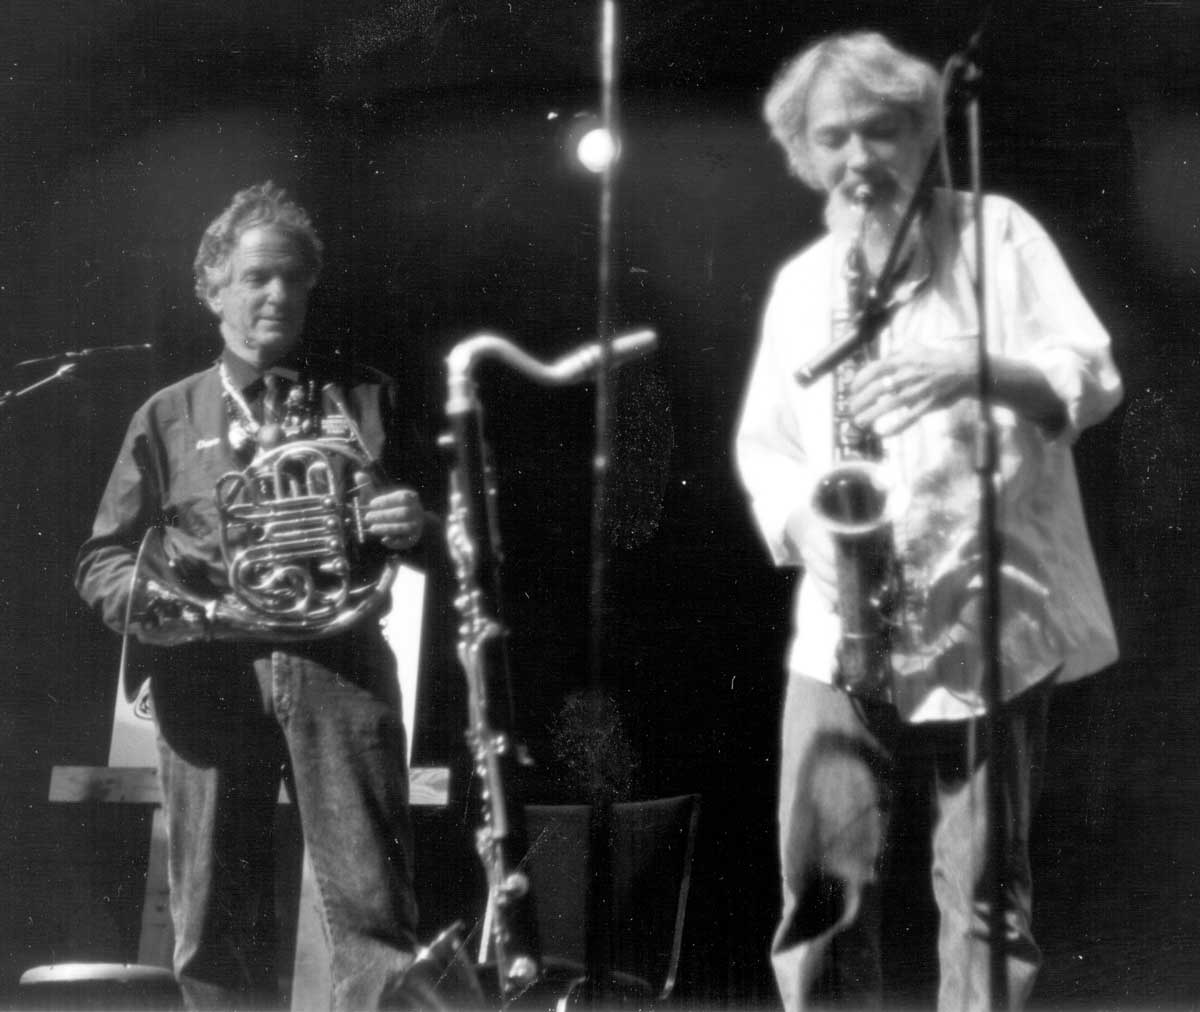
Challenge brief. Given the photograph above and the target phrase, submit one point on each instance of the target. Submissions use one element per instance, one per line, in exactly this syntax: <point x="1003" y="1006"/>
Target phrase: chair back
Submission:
<point x="653" y="845"/>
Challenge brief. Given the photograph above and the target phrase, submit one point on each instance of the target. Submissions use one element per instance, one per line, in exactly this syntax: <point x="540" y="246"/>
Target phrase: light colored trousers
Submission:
<point x="840" y="760"/>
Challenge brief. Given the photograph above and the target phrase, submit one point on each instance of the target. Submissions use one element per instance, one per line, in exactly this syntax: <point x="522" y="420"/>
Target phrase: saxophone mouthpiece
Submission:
<point x="862" y="196"/>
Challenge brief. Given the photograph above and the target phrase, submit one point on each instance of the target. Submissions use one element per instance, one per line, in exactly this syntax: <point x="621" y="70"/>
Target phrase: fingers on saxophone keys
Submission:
<point x="870" y="406"/>
<point x="881" y="395"/>
<point x="869" y="385"/>
<point x="897" y="421"/>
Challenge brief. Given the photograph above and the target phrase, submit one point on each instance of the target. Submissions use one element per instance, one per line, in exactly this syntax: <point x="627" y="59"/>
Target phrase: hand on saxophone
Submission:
<point x="893" y="392"/>
<point x="396" y="517"/>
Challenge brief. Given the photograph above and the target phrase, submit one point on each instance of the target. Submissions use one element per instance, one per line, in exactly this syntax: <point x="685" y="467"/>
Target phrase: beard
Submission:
<point x="873" y="223"/>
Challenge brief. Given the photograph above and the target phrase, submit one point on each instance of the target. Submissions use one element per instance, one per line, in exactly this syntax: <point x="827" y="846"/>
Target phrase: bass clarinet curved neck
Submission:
<point x="575" y="367"/>
<point x="473" y="539"/>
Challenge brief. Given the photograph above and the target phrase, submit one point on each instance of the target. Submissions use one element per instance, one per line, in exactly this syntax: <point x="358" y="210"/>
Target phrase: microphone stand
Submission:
<point x="67" y="364"/>
<point x="963" y="68"/>
<point x="600" y="872"/>
<point x="104" y="349"/>
<point x="61" y="373"/>
<point x="991" y="549"/>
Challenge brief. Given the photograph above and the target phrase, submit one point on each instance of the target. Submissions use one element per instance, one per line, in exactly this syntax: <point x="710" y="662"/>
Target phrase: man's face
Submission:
<point x="856" y="139"/>
<point x="262" y="306"/>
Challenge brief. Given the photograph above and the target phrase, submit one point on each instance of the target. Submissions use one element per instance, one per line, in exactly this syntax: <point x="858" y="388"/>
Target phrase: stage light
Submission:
<point x="597" y="150"/>
<point x="584" y="141"/>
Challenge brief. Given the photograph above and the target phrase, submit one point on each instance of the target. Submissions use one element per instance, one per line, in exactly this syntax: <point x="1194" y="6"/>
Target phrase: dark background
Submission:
<point x="426" y="137"/>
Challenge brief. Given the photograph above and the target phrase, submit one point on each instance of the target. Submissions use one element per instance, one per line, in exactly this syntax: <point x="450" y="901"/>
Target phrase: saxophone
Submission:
<point x="851" y="501"/>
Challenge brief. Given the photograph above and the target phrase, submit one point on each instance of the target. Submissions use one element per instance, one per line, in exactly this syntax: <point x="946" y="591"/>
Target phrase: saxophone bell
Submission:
<point x="851" y="498"/>
<point x="851" y="502"/>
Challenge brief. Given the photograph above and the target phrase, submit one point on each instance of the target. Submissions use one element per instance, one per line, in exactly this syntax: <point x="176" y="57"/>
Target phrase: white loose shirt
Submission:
<point x="1053" y="611"/>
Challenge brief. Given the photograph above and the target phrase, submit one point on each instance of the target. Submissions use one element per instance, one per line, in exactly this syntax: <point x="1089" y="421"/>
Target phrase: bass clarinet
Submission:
<point x="473" y="537"/>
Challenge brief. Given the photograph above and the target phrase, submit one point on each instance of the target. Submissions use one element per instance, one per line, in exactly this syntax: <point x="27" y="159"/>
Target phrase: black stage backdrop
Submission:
<point x="427" y="139"/>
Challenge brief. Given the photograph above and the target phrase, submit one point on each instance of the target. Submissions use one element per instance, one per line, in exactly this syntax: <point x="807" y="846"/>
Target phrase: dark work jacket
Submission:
<point x="175" y="451"/>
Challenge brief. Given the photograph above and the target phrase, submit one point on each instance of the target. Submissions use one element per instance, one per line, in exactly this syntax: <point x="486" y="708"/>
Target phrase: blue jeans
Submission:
<point x="841" y="759"/>
<point x="232" y="719"/>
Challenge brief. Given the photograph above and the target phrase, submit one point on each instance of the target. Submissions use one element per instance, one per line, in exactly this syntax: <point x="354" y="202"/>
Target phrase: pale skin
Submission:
<point x="856" y="139"/>
<point x="261" y="309"/>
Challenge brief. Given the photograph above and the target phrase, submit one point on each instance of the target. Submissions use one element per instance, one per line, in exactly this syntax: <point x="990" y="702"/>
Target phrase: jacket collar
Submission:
<point x="243" y="375"/>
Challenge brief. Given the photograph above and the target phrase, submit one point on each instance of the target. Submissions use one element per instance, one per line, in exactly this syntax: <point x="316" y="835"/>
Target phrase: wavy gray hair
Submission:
<point x="253" y="207"/>
<point x="871" y="61"/>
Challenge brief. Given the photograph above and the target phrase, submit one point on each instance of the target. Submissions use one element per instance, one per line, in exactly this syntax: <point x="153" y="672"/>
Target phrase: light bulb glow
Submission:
<point x="596" y="150"/>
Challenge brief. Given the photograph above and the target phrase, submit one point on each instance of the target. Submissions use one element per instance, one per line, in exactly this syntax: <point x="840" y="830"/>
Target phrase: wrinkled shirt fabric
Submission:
<point x="1054" y="616"/>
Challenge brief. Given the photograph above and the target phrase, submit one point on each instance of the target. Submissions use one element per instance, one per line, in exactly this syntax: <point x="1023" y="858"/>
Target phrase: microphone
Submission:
<point x="576" y="366"/>
<point x="84" y="352"/>
<point x="874" y="314"/>
<point x="829" y="359"/>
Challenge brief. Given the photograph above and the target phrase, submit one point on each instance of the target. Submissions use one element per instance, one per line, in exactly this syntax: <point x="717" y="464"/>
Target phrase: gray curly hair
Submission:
<point x="871" y="61"/>
<point x="253" y="207"/>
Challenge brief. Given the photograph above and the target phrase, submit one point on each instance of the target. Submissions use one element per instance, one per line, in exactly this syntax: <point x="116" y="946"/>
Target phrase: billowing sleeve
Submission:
<point x="1054" y="328"/>
<point x="128" y="507"/>
<point x="770" y="447"/>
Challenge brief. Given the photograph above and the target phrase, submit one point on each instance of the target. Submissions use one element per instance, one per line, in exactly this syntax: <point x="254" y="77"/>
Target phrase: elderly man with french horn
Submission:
<point x="249" y="533"/>
<point x="865" y="477"/>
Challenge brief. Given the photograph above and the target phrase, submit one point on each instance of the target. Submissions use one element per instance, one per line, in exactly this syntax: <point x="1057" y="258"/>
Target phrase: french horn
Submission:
<point x="295" y="552"/>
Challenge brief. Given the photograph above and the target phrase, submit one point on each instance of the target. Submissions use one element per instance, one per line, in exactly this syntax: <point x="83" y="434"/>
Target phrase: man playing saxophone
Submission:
<point x="233" y="708"/>
<point x="858" y="119"/>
